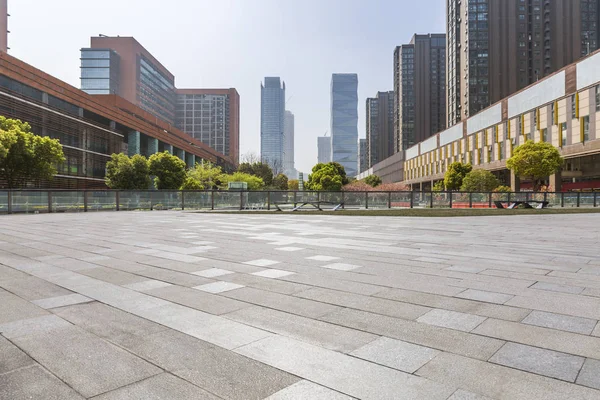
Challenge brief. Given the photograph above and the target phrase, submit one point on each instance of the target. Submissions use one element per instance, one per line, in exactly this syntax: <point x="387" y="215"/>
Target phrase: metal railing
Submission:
<point x="51" y="201"/>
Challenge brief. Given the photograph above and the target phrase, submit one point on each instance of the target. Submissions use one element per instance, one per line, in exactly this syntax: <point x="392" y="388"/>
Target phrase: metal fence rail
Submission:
<point x="50" y="201"/>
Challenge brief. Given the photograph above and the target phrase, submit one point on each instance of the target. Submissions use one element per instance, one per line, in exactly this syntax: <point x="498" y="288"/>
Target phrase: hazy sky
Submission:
<point x="236" y="43"/>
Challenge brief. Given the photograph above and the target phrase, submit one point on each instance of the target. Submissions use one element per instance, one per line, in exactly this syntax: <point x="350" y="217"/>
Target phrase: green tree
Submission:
<point x="479" y="180"/>
<point x="536" y="161"/>
<point x="260" y="169"/>
<point x="204" y="176"/>
<point x="168" y="169"/>
<point x="127" y="173"/>
<point x="455" y="174"/>
<point x="373" y="180"/>
<point x="254" y="182"/>
<point x="293" y="184"/>
<point x="330" y="176"/>
<point x="439" y="186"/>
<point x="503" y="189"/>
<point x="280" y="182"/>
<point x="25" y="156"/>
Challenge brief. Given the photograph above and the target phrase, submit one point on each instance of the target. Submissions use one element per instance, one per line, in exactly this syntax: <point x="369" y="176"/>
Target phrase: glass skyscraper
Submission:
<point x="344" y="121"/>
<point x="272" y="122"/>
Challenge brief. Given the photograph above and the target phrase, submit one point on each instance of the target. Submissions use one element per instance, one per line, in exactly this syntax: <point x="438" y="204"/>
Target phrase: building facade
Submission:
<point x="344" y="121"/>
<point x="90" y="127"/>
<point x="324" y="149"/>
<point x="420" y="89"/>
<point x="211" y="116"/>
<point x="379" y="127"/>
<point x="497" y="47"/>
<point x="288" y="145"/>
<point x="272" y="120"/>
<point x="363" y="155"/>
<point x="100" y="71"/>
<point x="4" y="25"/>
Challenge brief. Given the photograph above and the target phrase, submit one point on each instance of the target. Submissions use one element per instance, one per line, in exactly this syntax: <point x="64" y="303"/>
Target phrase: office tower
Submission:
<point x="288" y="145"/>
<point x="344" y="121"/>
<point x="363" y="155"/>
<point x="122" y="66"/>
<point x="380" y="127"/>
<point x="419" y="86"/>
<point x="272" y="107"/>
<point x="497" y="47"/>
<point x="324" y="149"/>
<point x="4" y="25"/>
<point x="211" y="116"/>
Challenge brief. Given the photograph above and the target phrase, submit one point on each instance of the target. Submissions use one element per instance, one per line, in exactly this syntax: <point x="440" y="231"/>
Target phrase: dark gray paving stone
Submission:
<point x="8" y="274"/>
<point x="464" y="395"/>
<point x="567" y="323"/>
<point x="159" y="387"/>
<point x="15" y="308"/>
<point x="198" y="300"/>
<point x="34" y="383"/>
<point x="32" y="288"/>
<point x="33" y="326"/>
<point x="11" y="357"/>
<point x="552" y="287"/>
<point x="173" y="277"/>
<point x="590" y="374"/>
<point x="539" y="361"/>
<point x="487" y="297"/>
<point x="212" y="368"/>
<point x="94" y="366"/>
<point x="113" y="276"/>
<point x="271" y="285"/>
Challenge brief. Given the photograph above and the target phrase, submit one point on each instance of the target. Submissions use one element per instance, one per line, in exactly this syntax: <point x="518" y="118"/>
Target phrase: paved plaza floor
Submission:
<point x="175" y="305"/>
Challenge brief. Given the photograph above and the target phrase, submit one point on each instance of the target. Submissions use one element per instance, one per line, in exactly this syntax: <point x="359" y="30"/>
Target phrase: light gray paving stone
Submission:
<point x="61" y="301"/>
<point x="577" y="306"/>
<point x="34" y="383"/>
<point x="224" y="373"/>
<point x="499" y="382"/>
<point x="332" y="369"/>
<point x="445" y="339"/>
<point x="590" y="374"/>
<point x="330" y="282"/>
<point x="487" y="297"/>
<point x="11" y="357"/>
<point x="561" y="322"/>
<point x="466" y="268"/>
<point x="94" y="366"/>
<point x="262" y="262"/>
<point x="218" y="287"/>
<point x="199" y="300"/>
<point x="147" y="285"/>
<point x="557" y="288"/>
<point x="31" y="326"/>
<point x="289" y="249"/>
<point x="273" y="273"/>
<point x="8" y="274"/>
<point x="268" y="284"/>
<point x="174" y="277"/>
<point x="15" y="308"/>
<point x="33" y="288"/>
<point x="319" y="333"/>
<point x="213" y="272"/>
<point x="341" y="266"/>
<point x="158" y="387"/>
<point x="322" y="258"/>
<point x="539" y="361"/>
<point x="597" y="330"/>
<point x="451" y="319"/>
<point x="305" y="390"/>
<point x="464" y="395"/>
<point x="396" y="354"/>
<point x="113" y="276"/>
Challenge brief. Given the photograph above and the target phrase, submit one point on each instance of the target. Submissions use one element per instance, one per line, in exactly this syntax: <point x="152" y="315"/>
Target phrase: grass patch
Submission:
<point x="427" y="212"/>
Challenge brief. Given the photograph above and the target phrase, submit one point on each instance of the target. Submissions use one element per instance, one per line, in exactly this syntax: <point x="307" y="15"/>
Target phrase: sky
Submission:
<point x="236" y="43"/>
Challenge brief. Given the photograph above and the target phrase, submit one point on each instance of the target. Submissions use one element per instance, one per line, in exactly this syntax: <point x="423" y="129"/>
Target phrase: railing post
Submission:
<point x="118" y="200"/>
<point x="212" y="199"/>
<point x="389" y="199"/>
<point x="527" y="197"/>
<point x="545" y="197"/>
<point x="412" y="199"/>
<point x="343" y="200"/>
<point x="295" y="198"/>
<point x="562" y="199"/>
<point x="9" y="207"/>
<point x="509" y="193"/>
<point x="450" y="194"/>
<point x="85" y="201"/>
<point x="595" y="199"/>
<point x="470" y="200"/>
<point x="578" y="198"/>
<point x="241" y="200"/>
<point x="182" y="200"/>
<point x="366" y="200"/>
<point x="431" y="199"/>
<point x="151" y="203"/>
<point x="49" y="201"/>
<point x="268" y="200"/>
<point x="490" y="200"/>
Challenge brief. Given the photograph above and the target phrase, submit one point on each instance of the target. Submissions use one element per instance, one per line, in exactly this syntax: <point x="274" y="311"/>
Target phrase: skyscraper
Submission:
<point x="363" y="155"/>
<point x="211" y="116"/>
<point x="272" y="122"/>
<point x="324" y="149"/>
<point x="419" y="86"/>
<point x="379" y="128"/>
<point x="497" y="47"/>
<point x="4" y="25"/>
<point x="344" y="121"/>
<point x="288" y="145"/>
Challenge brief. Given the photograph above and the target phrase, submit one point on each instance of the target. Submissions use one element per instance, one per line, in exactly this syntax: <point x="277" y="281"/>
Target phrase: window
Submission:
<point x="585" y="129"/>
<point x="544" y="135"/>
<point x="598" y="98"/>
<point x="563" y="134"/>
<point x="553" y="113"/>
<point x="574" y="102"/>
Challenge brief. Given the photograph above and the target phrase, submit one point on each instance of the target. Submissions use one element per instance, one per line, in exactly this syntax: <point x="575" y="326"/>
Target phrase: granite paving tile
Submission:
<point x="557" y="288"/>
<point x="305" y="390"/>
<point x="487" y="297"/>
<point x="11" y="357"/>
<point x="31" y="326"/>
<point x="590" y="374"/>
<point x="113" y="276"/>
<point x="272" y="273"/>
<point x="218" y="287"/>
<point x="34" y="383"/>
<point x="451" y="319"/>
<point x="198" y="300"/>
<point x="213" y="272"/>
<point x="561" y="322"/>
<point x="61" y="301"/>
<point x="33" y="288"/>
<point x="15" y="308"/>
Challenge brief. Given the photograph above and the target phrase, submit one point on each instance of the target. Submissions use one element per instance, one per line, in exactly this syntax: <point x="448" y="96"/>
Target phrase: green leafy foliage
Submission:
<point x="536" y="161"/>
<point x="293" y="184"/>
<point x="280" y="182"/>
<point x="439" y="186"/>
<point x="204" y="176"/>
<point x="262" y="170"/>
<point x="254" y="182"/>
<point x="330" y="176"/>
<point x="502" y="189"/>
<point x="479" y="180"/>
<point x="127" y="173"/>
<point x="373" y="180"/>
<point x="168" y="169"/>
<point x="455" y="174"/>
<point x="25" y="156"/>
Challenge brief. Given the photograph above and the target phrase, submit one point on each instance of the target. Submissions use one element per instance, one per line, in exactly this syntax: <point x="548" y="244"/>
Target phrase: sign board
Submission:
<point x="237" y="186"/>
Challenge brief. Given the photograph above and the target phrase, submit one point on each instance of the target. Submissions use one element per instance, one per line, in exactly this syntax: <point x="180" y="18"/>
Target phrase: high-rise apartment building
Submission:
<point x="497" y="47"/>
<point x="420" y="90"/>
<point x="324" y="149"/>
<point x="344" y="121"/>
<point x="4" y="25"/>
<point x="363" y="155"/>
<point x="272" y="122"/>
<point x="379" y="127"/>
<point x="211" y="116"/>
<point x="288" y="145"/>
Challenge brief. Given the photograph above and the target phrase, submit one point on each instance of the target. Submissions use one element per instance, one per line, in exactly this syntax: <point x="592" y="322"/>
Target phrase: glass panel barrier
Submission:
<point x="570" y="199"/>
<point x="460" y="200"/>
<point x="67" y="201"/>
<point x="255" y="200"/>
<point x="3" y="202"/>
<point x="334" y="198"/>
<point x="480" y="200"/>
<point x="227" y="200"/>
<point x="354" y="200"/>
<point x="100" y="200"/>
<point x="134" y="200"/>
<point x="401" y="199"/>
<point x="441" y="200"/>
<point x="586" y="200"/>
<point x="166" y="200"/>
<point x="29" y="202"/>
<point x="378" y="199"/>
<point x="197" y="200"/>
<point x="421" y="200"/>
